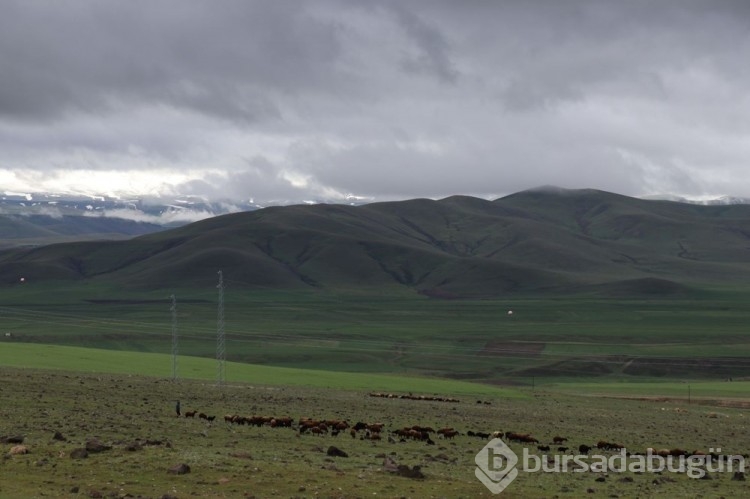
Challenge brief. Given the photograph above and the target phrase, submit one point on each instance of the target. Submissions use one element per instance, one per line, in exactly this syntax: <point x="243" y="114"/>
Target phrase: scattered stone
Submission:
<point x="94" y="446"/>
<point x="625" y="479"/>
<point x="18" y="439"/>
<point x="18" y="449"/>
<point x="590" y="490"/>
<point x="738" y="476"/>
<point x="80" y="453"/>
<point x="336" y="452"/>
<point x="414" y="472"/>
<point x="662" y="479"/>
<point x="241" y="455"/>
<point x="600" y="479"/>
<point x="135" y="446"/>
<point x="95" y="494"/>
<point x="74" y="490"/>
<point x="59" y="437"/>
<point x="180" y="469"/>
<point x="390" y="465"/>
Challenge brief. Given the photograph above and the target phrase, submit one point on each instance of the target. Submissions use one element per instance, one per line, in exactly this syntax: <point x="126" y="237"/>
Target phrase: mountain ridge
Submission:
<point x="539" y="240"/>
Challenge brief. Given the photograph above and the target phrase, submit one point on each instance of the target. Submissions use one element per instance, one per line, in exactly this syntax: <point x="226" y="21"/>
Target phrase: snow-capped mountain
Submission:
<point x="709" y="201"/>
<point x="160" y="211"/>
<point x="169" y="212"/>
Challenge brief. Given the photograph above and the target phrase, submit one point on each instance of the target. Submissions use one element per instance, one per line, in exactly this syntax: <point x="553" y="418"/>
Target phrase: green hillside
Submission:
<point x="602" y="286"/>
<point x="535" y="241"/>
<point x="36" y="230"/>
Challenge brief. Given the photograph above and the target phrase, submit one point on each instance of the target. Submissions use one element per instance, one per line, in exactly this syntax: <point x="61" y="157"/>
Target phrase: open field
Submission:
<point x="90" y="360"/>
<point x="546" y="338"/>
<point x="134" y="415"/>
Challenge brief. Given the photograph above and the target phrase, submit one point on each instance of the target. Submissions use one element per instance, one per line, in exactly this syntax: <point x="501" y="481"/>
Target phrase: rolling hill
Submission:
<point x="542" y="240"/>
<point x="35" y="230"/>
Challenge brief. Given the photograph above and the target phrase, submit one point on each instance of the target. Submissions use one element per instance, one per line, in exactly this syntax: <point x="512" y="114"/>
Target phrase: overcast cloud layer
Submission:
<point x="291" y="101"/>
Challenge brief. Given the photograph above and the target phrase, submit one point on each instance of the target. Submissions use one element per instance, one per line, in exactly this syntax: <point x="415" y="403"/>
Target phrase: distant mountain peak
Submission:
<point x="705" y="201"/>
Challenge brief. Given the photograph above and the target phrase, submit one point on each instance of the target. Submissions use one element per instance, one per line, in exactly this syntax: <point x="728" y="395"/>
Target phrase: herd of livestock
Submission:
<point x="376" y="431"/>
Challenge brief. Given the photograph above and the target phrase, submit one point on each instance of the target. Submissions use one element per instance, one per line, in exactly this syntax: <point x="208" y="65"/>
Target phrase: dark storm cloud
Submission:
<point x="289" y="100"/>
<point x="218" y="58"/>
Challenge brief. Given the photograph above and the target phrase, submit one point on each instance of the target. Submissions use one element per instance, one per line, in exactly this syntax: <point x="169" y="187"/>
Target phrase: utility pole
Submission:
<point x="221" y="350"/>
<point x="173" y="309"/>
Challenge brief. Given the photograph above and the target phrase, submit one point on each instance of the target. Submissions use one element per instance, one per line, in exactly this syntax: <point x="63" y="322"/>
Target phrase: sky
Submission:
<point x="289" y="101"/>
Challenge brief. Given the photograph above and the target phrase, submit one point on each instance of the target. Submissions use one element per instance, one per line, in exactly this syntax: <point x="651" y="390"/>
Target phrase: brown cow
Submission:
<point x="450" y="434"/>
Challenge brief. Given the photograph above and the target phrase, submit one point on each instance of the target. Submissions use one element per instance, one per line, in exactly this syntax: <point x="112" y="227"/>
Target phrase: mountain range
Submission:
<point x="542" y="240"/>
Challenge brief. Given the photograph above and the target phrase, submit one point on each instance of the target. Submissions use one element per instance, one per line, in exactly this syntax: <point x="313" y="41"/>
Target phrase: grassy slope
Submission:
<point x="529" y="242"/>
<point x="124" y="411"/>
<point x="641" y="288"/>
<point x="463" y="339"/>
<point x="160" y="365"/>
<point x="36" y="230"/>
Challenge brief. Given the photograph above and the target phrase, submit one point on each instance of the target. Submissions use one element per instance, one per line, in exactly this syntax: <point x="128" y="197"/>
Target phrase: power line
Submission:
<point x="173" y="309"/>
<point x="221" y="350"/>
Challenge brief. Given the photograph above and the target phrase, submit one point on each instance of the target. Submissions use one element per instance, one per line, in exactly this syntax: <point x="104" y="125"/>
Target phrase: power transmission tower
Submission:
<point x="221" y="350"/>
<point x="173" y="309"/>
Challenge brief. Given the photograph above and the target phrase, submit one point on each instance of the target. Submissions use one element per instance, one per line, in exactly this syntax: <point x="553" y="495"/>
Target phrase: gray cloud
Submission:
<point x="286" y="100"/>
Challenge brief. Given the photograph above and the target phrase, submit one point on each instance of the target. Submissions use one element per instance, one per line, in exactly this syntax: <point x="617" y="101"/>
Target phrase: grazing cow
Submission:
<point x="376" y="427"/>
<point x="428" y="429"/>
<point x="524" y="438"/>
<point x="584" y="449"/>
<point x="497" y="434"/>
<point x="318" y="430"/>
<point x="450" y="434"/>
<point x="562" y="449"/>
<point x="543" y="448"/>
<point x="190" y="414"/>
<point x="211" y="418"/>
<point x="285" y="422"/>
<point x="603" y="444"/>
<point x="202" y="415"/>
<point x="353" y="433"/>
<point x="559" y="440"/>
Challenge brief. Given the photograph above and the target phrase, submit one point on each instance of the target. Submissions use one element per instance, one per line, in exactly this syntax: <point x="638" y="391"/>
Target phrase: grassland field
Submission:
<point x="91" y="361"/>
<point x="96" y="395"/>
<point x="545" y="338"/>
